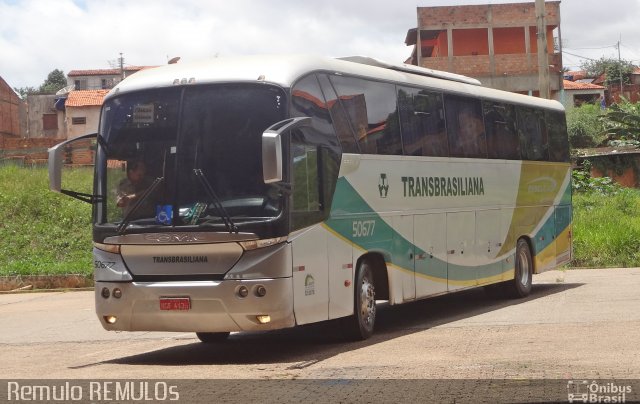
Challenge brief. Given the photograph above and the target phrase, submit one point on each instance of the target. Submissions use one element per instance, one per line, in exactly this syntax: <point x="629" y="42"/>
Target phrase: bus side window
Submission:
<point x="340" y="118"/>
<point x="465" y="127"/>
<point x="533" y="134"/>
<point x="558" y="138"/>
<point x="422" y="122"/>
<point x="500" y="124"/>
<point x="372" y="110"/>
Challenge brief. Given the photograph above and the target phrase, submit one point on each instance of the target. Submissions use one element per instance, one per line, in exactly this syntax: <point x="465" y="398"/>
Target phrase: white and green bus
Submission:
<point x="259" y="193"/>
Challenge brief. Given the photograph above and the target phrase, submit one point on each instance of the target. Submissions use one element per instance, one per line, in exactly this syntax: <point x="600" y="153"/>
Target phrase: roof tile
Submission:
<point x="573" y="85"/>
<point x="85" y="98"/>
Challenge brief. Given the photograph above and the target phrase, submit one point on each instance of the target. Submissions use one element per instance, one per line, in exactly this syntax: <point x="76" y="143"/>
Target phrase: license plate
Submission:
<point x="175" y="303"/>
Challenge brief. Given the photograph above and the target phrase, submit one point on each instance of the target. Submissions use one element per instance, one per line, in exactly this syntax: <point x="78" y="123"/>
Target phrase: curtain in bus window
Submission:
<point x="558" y="138"/>
<point x="533" y="134"/>
<point x="372" y="111"/>
<point x="500" y="126"/>
<point x="339" y="116"/>
<point x="465" y="127"/>
<point x="422" y="122"/>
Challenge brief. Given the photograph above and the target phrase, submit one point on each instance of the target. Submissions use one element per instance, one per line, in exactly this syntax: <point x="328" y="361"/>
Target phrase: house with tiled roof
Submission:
<point x="82" y="111"/>
<point x="80" y="102"/>
<point x="577" y="93"/>
<point x="100" y="79"/>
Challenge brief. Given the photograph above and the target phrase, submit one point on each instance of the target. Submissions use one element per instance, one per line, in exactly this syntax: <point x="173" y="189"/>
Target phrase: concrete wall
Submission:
<point x="92" y="116"/>
<point x="37" y="106"/>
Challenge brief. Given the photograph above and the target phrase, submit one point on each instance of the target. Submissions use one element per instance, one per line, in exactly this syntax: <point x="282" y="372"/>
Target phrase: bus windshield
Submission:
<point x="187" y="156"/>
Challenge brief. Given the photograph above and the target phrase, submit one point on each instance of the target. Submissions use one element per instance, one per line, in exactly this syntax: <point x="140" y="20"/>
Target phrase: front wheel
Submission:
<point x="360" y="325"/>
<point x="212" y="337"/>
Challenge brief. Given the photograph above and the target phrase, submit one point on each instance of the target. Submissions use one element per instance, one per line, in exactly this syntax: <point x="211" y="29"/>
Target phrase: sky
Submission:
<point x="38" y="36"/>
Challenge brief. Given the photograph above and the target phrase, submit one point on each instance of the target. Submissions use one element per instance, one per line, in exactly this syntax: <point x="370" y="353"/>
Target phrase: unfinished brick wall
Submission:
<point x="9" y="110"/>
<point x="27" y="150"/>
<point x="492" y="14"/>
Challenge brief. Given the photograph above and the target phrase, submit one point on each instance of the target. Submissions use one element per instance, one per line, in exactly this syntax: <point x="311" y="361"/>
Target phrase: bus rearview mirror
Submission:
<point x="272" y="147"/>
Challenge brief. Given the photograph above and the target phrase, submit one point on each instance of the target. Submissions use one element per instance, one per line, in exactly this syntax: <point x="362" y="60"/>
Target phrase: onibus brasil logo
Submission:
<point x="383" y="185"/>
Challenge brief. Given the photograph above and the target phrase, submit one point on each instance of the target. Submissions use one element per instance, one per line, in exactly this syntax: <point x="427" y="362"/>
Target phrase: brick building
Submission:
<point x="495" y="43"/>
<point x="11" y="111"/>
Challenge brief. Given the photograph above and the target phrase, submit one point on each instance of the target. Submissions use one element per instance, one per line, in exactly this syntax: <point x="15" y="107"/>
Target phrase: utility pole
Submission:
<point x="543" y="53"/>
<point x="620" y="67"/>
<point x="121" y="67"/>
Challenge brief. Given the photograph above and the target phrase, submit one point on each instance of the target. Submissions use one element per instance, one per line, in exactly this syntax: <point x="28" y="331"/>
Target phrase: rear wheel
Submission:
<point x="360" y="325"/>
<point x="521" y="284"/>
<point x="212" y="337"/>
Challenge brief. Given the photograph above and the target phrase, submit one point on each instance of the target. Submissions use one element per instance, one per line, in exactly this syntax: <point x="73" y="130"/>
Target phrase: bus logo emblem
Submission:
<point x="383" y="185"/>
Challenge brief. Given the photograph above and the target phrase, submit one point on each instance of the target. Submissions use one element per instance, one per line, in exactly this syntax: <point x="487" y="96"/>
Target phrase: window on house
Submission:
<point x="50" y="121"/>
<point x="79" y="120"/>
<point x="80" y="84"/>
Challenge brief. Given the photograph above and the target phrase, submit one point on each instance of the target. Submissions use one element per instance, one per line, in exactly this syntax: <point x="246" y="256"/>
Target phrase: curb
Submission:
<point x="28" y="283"/>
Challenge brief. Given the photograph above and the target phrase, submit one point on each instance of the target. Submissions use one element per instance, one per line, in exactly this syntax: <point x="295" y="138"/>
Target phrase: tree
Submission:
<point x="24" y="91"/>
<point x="612" y="68"/>
<point x="55" y="81"/>
<point x="622" y="121"/>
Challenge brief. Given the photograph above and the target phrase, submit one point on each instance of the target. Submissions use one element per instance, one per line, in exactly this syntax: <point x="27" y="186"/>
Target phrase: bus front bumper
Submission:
<point x="195" y="306"/>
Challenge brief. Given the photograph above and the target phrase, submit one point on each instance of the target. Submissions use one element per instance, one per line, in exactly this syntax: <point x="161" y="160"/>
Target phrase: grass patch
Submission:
<point x="43" y="232"/>
<point x="606" y="229"/>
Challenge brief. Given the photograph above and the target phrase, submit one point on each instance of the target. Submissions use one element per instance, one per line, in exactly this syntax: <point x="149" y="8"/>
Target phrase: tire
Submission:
<point x="212" y="337"/>
<point x="360" y="325"/>
<point x="520" y="286"/>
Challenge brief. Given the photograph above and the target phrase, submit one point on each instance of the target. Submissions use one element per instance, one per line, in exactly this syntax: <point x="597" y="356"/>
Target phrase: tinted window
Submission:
<point x="422" y="121"/>
<point x="315" y="155"/>
<point x="558" y="138"/>
<point x="371" y="107"/>
<point x="533" y="134"/>
<point x="339" y="116"/>
<point x="500" y="127"/>
<point x="465" y="127"/>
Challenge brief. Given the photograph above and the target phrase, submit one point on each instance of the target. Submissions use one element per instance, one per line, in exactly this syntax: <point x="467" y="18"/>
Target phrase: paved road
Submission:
<point x="576" y="324"/>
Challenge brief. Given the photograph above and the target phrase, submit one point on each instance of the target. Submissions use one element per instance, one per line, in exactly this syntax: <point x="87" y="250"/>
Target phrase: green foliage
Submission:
<point x="55" y="81"/>
<point x="584" y="126"/>
<point x="24" y="91"/>
<point x="584" y="183"/>
<point x="622" y="121"/>
<point x="612" y="68"/>
<point x="43" y="232"/>
<point x="606" y="229"/>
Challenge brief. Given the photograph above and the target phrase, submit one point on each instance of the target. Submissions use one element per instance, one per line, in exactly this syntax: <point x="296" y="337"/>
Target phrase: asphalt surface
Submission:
<point x="577" y="324"/>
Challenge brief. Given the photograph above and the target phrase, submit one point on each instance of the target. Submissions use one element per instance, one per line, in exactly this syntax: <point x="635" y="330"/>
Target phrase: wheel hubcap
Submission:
<point x="367" y="302"/>
<point x="523" y="263"/>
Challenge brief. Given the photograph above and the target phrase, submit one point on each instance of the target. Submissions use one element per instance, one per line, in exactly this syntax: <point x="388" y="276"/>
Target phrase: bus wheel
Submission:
<point x="212" y="337"/>
<point x="360" y="325"/>
<point x="521" y="284"/>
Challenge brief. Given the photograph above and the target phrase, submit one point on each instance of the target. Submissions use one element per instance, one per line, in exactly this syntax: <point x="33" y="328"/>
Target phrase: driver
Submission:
<point x="132" y="188"/>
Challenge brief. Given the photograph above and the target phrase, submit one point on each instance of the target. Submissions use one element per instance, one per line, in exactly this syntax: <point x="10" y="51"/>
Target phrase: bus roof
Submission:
<point x="285" y="70"/>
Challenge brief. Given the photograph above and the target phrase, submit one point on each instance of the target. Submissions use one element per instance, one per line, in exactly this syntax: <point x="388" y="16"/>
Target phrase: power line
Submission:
<point x="578" y="56"/>
<point x="601" y="47"/>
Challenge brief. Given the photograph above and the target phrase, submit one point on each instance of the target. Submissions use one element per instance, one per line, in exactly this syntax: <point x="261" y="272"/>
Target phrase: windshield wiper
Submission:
<point x="125" y="221"/>
<point x="226" y="218"/>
